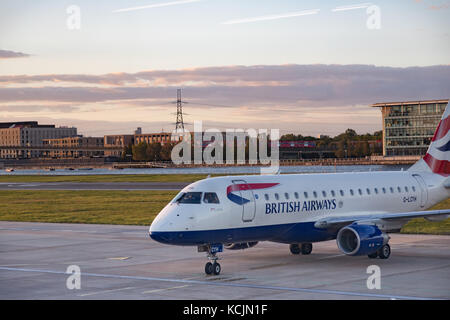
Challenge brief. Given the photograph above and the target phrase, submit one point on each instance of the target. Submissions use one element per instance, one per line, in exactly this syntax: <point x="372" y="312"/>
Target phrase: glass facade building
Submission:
<point x="408" y="127"/>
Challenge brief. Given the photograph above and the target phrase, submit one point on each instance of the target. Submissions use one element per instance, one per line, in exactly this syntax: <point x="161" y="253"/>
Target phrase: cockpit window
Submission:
<point x="190" y="197"/>
<point x="210" y="197"/>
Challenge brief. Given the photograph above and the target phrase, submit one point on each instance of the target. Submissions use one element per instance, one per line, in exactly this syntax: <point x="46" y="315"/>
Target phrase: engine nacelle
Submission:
<point x="240" y="246"/>
<point x="360" y="239"/>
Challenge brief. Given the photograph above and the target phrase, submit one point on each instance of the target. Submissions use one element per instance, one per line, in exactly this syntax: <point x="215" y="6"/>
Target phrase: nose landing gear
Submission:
<point x="212" y="267"/>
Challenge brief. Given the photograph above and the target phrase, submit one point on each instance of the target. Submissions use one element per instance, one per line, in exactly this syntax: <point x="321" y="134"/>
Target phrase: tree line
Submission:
<point x="345" y="145"/>
<point x="348" y="144"/>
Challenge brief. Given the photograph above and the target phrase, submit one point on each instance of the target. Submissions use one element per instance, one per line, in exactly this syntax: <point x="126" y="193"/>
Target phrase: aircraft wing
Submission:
<point x="381" y="218"/>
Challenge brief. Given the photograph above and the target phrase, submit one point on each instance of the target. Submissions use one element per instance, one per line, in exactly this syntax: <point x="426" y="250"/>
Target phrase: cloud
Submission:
<point x="7" y="54"/>
<point x="273" y="17"/>
<point x="442" y="6"/>
<point x="157" y="5"/>
<point x="352" y="7"/>
<point x="288" y="85"/>
<point x="38" y="108"/>
<point x="309" y="99"/>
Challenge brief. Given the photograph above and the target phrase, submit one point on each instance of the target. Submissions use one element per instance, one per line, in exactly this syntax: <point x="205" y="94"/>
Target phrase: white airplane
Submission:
<point x="356" y="209"/>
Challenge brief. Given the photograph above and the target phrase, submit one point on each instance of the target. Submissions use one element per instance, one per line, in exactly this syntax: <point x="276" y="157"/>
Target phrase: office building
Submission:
<point x="117" y="141"/>
<point x="28" y="134"/>
<point x="74" y="147"/>
<point x="408" y="127"/>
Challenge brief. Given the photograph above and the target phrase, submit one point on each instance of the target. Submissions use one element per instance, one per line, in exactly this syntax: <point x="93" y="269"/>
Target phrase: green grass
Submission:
<point x="102" y="207"/>
<point x="125" y="207"/>
<point x="422" y="226"/>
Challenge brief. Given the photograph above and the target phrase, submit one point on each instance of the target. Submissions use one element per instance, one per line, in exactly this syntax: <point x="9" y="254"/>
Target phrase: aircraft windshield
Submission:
<point x="210" y="197"/>
<point x="190" y="197"/>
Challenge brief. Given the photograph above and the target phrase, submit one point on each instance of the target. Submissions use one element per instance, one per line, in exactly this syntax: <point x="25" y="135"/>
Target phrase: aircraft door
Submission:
<point x="248" y="200"/>
<point x="423" y="190"/>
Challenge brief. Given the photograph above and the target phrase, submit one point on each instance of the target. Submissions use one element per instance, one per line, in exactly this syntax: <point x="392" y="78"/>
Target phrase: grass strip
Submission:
<point x="125" y="207"/>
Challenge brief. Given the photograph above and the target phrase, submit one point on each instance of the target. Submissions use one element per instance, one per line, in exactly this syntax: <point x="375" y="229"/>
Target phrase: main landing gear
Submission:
<point x="303" y="248"/>
<point x="212" y="267"/>
<point x="383" y="253"/>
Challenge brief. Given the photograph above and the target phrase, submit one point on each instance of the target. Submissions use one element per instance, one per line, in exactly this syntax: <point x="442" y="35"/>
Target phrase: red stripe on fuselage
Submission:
<point x="442" y="129"/>
<point x="441" y="167"/>
<point x="249" y="186"/>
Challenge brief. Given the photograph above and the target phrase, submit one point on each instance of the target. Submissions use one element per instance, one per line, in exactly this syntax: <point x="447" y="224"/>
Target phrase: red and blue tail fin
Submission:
<point x="437" y="159"/>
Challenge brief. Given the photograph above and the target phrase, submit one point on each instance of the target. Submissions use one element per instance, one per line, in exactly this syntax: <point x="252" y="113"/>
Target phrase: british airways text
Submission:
<point x="299" y="206"/>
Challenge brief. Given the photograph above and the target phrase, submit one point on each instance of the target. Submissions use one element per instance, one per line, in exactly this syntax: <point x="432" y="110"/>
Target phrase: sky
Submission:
<point x="310" y="67"/>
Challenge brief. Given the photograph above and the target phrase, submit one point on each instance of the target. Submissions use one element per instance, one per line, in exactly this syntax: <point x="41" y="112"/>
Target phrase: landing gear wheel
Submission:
<point x="306" y="248"/>
<point x="294" y="248"/>
<point x="216" y="268"/>
<point x="373" y="255"/>
<point x="209" y="269"/>
<point x="384" y="252"/>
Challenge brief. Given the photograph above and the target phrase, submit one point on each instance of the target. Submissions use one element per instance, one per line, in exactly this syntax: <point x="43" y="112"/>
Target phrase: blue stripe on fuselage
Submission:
<point x="445" y="147"/>
<point x="284" y="233"/>
<point x="236" y="199"/>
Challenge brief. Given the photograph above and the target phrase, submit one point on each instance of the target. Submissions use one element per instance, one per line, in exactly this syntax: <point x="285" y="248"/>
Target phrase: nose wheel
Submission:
<point x="212" y="267"/>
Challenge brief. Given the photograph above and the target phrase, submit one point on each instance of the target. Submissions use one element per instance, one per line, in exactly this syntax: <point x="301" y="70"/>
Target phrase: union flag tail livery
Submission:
<point x="357" y="209"/>
<point x="438" y="154"/>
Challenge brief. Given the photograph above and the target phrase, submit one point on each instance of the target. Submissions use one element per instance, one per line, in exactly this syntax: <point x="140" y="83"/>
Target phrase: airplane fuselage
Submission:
<point x="285" y="208"/>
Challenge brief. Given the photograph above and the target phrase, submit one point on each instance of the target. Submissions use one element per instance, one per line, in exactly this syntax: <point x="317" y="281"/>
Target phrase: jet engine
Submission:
<point x="360" y="239"/>
<point x="240" y="246"/>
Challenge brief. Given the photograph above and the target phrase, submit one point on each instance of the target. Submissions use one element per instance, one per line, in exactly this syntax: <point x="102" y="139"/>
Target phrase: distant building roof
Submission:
<point x="387" y="104"/>
<point x="25" y="124"/>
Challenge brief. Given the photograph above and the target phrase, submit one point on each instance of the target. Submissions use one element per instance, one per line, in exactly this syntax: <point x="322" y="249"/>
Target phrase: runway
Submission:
<point x="122" y="262"/>
<point x="92" y="185"/>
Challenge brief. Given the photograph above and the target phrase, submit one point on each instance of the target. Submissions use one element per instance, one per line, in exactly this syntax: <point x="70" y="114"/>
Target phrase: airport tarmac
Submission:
<point x="122" y="262"/>
<point x="92" y="185"/>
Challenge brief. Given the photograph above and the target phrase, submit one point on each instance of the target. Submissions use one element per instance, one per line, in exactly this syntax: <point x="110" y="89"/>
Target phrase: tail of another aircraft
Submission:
<point x="437" y="159"/>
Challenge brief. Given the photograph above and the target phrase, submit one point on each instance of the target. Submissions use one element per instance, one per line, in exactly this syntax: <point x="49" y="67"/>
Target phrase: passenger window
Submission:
<point x="413" y="188"/>
<point x="391" y="189"/>
<point x="341" y="192"/>
<point x="333" y="194"/>
<point x="315" y="194"/>
<point x="399" y="189"/>
<point x="305" y="194"/>
<point x="360" y="192"/>
<point x="296" y="195"/>
<point x="190" y="197"/>
<point x="368" y="191"/>
<point x="384" y="190"/>
<point x="376" y="190"/>
<point x="286" y="195"/>
<point x="266" y="196"/>
<point x="406" y="189"/>
<point x="277" y="196"/>
<point x="351" y="192"/>
<point x="324" y="194"/>
<point x="211" y="197"/>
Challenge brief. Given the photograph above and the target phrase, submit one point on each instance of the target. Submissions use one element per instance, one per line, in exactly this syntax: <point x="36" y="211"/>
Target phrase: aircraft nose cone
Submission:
<point x="156" y="231"/>
<point x="159" y="237"/>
